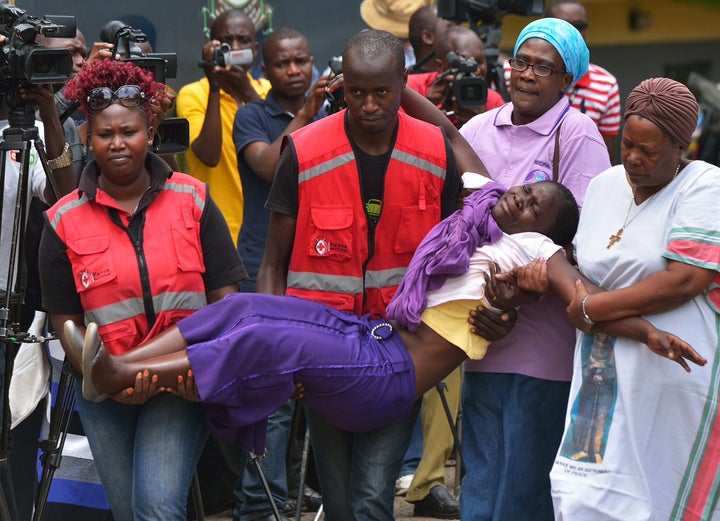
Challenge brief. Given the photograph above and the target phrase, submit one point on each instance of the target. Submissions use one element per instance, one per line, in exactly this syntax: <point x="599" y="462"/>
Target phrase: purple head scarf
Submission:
<point x="445" y="252"/>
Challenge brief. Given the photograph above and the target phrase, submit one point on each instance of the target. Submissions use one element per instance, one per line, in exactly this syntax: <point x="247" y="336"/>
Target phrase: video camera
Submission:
<point x="468" y="89"/>
<point x="24" y="61"/>
<point x="173" y="135"/>
<point x="224" y="56"/>
<point x="485" y="18"/>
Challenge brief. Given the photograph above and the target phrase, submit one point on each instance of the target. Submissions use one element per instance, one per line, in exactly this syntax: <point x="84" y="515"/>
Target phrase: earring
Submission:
<point x="91" y="149"/>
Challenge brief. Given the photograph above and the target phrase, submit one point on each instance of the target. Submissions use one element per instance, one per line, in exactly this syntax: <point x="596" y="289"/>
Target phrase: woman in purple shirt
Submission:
<point x="514" y="399"/>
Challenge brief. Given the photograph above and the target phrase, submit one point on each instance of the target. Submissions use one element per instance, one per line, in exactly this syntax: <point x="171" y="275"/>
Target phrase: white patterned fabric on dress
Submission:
<point x="642" y="436"/>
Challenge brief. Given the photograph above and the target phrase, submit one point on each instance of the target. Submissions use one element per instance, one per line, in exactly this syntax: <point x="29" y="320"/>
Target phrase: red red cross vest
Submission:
<point x="110" y="272"/>
<point x="330" y="262"/>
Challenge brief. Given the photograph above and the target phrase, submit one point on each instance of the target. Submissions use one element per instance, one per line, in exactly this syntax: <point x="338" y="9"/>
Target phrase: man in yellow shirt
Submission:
<point x="210" y="104"/>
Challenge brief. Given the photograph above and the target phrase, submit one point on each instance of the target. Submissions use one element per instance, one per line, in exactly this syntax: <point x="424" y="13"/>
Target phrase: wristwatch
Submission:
<point x="214" y="86"/>
<point x="63" y="160"/>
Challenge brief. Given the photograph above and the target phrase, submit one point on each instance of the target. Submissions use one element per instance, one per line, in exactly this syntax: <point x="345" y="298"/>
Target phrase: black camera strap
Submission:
<point x="416" y="67"/>
<point x="556" y="154"/>
<point x="68" y="111"/>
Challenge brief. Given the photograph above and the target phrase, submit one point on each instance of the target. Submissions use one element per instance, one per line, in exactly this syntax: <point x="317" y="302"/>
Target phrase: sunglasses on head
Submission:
<point x="127" y="95"/>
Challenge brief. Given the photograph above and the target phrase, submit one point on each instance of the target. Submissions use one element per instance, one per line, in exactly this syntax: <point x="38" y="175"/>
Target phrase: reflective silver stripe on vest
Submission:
<point x="76" y="203"/>
<point x="384" y="278"/>
<point x="185" y="189"/>
<point x="320" y="282"/>
<point x="422" y="164"/>
<point x="129" y="308"/>
<point x="325" y="167"/>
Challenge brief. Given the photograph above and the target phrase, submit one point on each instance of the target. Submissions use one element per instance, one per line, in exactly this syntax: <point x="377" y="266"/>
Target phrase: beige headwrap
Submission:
<point x="668" y="104"/>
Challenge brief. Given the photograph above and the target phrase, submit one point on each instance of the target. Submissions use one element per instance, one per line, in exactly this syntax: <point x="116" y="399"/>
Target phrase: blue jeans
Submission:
<point x="413" y="454"/>
<point x="511" y="430"/>
<point x="357" y="471"/>
<point x="250" y="496"/>
<point x="145" y="454"/>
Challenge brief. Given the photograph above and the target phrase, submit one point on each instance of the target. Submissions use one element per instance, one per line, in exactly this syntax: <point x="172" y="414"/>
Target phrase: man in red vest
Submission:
<point x="353" y="195"/>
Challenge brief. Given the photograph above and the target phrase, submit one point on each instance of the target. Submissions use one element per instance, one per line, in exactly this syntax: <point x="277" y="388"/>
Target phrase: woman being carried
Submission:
<point x="248" y="351"/>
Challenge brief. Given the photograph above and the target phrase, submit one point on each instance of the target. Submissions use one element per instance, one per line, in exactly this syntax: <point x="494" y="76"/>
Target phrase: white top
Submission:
<point x="509" y="252"/>
<point x="640" y="432"/>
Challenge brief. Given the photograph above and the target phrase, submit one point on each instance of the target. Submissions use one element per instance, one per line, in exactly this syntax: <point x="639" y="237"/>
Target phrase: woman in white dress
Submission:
<point x="642" y="438"/>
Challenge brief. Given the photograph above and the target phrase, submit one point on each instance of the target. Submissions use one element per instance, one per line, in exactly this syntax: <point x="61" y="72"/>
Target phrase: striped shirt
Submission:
<point x="595" y="94"/>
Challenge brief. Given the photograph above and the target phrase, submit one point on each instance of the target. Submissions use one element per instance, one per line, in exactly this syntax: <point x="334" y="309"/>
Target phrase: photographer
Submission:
<point x="424" y="29"/>
<point x="438" y="86"/>
<point x="78" y="50"/>
<point x="514" y="401"/>
<point x="18" y="96"/>
<point x="210" y="105"/>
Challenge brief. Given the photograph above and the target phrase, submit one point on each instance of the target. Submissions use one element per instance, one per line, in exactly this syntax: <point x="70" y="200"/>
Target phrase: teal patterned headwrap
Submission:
<point x="567" y="40"/>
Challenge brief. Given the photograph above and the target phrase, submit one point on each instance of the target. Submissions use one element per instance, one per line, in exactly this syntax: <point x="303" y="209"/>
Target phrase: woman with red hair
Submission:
<point x="135" y="248"/>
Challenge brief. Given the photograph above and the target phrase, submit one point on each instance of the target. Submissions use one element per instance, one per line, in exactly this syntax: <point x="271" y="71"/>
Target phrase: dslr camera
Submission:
<point x="125" y="41"/>
<point x="173" y="135"/>
<point x="468" y="89"/>
<point x="224" y="56"/>
<point x="24" y="61"/>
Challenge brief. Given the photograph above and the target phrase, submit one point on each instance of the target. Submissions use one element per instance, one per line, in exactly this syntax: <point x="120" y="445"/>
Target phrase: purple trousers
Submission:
<point x="248" y="350"/>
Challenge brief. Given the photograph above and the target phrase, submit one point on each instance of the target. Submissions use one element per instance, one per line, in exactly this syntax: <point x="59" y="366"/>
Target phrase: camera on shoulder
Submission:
<point x="24" y="61"/>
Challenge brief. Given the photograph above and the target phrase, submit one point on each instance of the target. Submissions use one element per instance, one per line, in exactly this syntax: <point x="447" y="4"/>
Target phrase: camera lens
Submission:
<point x="41" y="63"/>
<point x="110" y="30"/>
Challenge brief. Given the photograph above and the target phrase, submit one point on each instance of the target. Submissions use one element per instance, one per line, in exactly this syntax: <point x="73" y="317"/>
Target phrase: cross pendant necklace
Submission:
<point x="615" y="238"/>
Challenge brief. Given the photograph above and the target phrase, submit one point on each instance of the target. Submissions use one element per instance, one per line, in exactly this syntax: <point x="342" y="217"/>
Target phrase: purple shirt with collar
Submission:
<point x="541" y="343"/>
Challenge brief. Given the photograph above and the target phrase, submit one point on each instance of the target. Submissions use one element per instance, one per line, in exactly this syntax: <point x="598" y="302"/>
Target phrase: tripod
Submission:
<point x="52" y="446"/>
<point x="19" y="137"/>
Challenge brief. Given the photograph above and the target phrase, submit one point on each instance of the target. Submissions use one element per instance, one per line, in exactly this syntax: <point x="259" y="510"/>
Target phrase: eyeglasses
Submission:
<point x="520" y="65"/>
<point x="580" y="25"/>
<point x="127" y="95"/>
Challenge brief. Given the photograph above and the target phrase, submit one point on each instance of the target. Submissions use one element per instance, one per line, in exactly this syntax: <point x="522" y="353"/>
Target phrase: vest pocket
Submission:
<point x="339" y="301"/>
<point x="386" y="295"/>
<point x="330" y="234"/>
<point x="415" y="224"/>
<point x="92" y="262"/>
<point x="120" y="337"/>
<point x="187" y="247"/>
